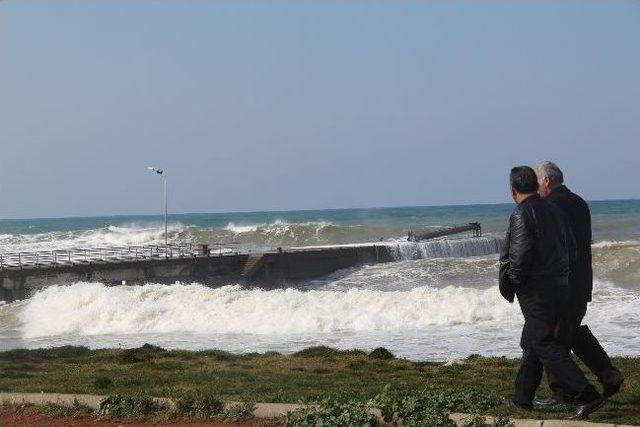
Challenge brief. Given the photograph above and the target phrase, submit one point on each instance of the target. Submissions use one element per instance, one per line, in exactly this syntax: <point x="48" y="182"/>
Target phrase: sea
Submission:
<point x="437" y="301"/>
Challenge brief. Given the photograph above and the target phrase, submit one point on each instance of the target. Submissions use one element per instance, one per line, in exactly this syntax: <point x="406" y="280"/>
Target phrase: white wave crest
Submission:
<point x="93" y="309"/>
<point x="278" y="227"/>
<point x="123" y="235"/>
<point x="240" y="228"/>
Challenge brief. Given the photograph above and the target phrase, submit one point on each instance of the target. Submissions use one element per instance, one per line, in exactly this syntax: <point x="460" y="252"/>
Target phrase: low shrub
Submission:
<point x="142" y="354"/>
<point x="332" y="412"/>
<point x="477" y="420"/>
<point x="431" y="405"/>
<point x="476" y="399"/>
<point x="324" y="351"/>
<point x="418" y="408"/>
<point x="238" y="412"/>
<point x="199" y="404"/>
<point x="130" y="406"/>
<point x="381" y="353"/>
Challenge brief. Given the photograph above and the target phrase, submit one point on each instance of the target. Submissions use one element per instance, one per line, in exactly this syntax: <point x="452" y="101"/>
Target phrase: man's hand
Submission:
<point x="504" y="284"/>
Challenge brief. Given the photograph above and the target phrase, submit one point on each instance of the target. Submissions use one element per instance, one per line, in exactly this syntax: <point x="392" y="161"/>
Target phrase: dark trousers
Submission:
<point x="584" y="345"/>
<point x="542" y="350"/>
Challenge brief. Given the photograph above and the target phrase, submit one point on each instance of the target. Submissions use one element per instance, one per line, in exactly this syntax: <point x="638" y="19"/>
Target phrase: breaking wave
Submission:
<point x="250" y="236"/>
<point x="281" y="232"/>
<point x="618" y="262"/>
<point x="94" y="309"/>
<point x="195" y="316"/>
<point x="123" y="235"/>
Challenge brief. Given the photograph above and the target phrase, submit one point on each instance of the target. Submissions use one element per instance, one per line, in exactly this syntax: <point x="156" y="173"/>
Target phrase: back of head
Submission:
<point x="550" y="170"/>
<point x="523" y="180"/>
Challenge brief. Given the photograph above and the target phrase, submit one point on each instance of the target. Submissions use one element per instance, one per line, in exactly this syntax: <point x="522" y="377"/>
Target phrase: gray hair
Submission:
<point x="549" y="170"/>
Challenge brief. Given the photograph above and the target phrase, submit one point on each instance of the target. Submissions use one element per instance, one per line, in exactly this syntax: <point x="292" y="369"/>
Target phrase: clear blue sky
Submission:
<point x="305" y="105"/>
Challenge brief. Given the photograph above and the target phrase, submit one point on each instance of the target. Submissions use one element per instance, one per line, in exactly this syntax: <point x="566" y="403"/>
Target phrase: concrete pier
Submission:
<point x="23" y="273"/>
<point x="266" y="269"/>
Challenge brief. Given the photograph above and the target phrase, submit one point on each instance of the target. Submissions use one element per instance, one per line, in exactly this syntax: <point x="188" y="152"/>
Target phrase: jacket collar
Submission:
<point x="530" y="198"/>
<point x="560" y="189"/>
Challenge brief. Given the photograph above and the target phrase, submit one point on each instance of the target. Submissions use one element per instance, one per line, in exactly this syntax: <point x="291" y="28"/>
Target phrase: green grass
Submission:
<point x="309" y="376"/>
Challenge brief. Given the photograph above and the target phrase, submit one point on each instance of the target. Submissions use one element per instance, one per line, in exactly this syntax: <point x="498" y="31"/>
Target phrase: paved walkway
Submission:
<point x="262" y="410"/>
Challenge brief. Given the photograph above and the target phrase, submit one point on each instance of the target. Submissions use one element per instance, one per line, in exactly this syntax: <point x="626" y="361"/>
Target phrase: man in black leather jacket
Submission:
<point x="579" y="337"/>
<point x="535" y="265"/>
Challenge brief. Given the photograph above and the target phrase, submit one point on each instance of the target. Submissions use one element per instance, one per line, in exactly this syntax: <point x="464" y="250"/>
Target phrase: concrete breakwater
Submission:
<point x="266" y="269"/>
<point x="23" y="273"/>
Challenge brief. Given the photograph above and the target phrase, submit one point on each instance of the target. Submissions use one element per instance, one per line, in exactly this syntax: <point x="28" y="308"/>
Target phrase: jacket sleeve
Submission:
<point x="504" y="284"/>
<point x="521" y="247"/>
<point x="572" y="246"/>
<point x="589" y="261"/>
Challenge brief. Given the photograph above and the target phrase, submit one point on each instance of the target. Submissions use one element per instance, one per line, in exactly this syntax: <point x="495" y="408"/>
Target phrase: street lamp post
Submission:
<point x="162" y="173"/>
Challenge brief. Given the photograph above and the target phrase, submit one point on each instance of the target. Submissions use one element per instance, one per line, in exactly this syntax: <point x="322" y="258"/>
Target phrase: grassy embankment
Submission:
<point x="307" y="376"/>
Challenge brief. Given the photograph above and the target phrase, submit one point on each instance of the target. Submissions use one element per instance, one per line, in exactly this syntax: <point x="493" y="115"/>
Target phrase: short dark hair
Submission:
<point x="523" y="179"/>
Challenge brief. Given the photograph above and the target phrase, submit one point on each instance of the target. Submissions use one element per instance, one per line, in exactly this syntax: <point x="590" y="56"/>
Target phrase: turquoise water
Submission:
<point x="612" y="220"/>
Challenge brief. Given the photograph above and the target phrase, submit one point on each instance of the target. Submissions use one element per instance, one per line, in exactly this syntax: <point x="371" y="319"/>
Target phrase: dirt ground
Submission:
<point x="25" y="420"/>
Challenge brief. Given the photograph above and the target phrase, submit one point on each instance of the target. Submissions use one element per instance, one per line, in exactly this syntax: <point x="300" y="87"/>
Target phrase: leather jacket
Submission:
<point x="539" y="248"/>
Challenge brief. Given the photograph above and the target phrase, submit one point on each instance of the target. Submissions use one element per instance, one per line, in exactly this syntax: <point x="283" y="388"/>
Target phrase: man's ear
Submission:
<point x="514" y="193"/>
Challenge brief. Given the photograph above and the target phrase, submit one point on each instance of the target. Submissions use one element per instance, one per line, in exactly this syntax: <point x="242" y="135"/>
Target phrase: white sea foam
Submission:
<point x="124" y="235"/>
<point x="93" y="308"/>
<point x="240" y="228"/>
<point x="278" y="227"/>
<point x="615" y="243"/>
<point x="419" y="323"/>
<point x="403" y="250"/>
<point x="441" y="248"/>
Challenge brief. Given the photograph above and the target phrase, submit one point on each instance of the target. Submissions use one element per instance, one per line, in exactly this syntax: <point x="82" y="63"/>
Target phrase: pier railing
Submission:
<point x="114" y="254"/>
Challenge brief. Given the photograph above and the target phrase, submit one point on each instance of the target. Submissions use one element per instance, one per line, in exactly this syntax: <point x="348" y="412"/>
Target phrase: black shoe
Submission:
<point x="515" y="405"/>
<point x="549" y="401"/>
<point x="583" y="411"/>
<point x="612" y="380"/>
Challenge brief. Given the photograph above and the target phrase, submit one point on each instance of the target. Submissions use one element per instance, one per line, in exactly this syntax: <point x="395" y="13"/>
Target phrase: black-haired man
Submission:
<point x="536" y="261"/>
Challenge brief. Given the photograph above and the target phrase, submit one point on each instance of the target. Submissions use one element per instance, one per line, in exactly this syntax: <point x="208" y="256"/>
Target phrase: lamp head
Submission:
<point x="156" y="170"/>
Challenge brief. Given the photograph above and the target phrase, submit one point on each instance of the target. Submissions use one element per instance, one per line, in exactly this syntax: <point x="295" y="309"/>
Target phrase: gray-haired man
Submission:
<point x="577" y="336"/>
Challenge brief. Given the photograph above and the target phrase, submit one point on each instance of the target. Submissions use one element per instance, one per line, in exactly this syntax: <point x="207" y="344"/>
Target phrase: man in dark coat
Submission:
<point x="535" y="265"/>
<point x="578" y="337"/>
